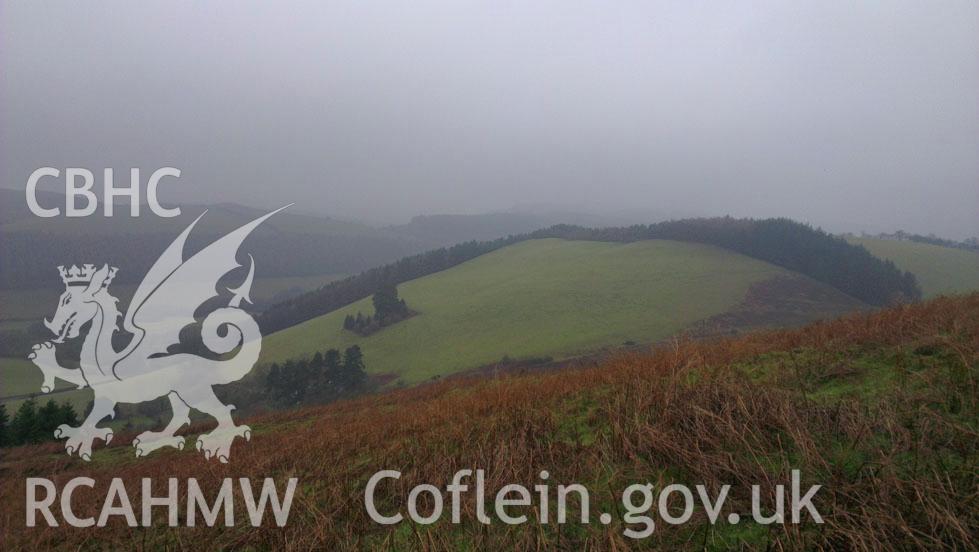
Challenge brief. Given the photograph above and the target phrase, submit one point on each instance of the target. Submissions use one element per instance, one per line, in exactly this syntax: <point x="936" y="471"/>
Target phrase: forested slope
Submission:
<point x="782" y="242"/>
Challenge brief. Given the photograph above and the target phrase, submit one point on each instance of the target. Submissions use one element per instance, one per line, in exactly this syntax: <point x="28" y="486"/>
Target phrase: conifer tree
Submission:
<point x="67" y="414"/>
<point x="48" y="418"/>
<point x="24" y="426"/>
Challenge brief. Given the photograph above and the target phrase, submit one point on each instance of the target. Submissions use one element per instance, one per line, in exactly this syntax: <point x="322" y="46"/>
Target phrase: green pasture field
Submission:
<point x="940" y="270"/>
<point x="547" y="297"/>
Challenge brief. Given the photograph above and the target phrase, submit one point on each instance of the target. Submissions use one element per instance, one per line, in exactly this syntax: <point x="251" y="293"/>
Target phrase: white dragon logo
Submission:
<point x="163" y="304"/>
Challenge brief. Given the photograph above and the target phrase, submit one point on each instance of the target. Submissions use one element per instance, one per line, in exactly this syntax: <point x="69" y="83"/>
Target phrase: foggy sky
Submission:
<point x="850" y="115"/>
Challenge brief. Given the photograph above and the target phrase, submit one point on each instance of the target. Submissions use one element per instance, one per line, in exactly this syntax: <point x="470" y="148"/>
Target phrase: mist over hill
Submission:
<point x="444" y="230"/>
<point x="292" y="243"/>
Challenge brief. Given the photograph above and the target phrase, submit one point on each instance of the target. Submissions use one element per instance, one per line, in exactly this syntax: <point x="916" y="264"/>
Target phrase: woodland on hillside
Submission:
<point x="388" y="309"/>
<point x="782" y="242"/>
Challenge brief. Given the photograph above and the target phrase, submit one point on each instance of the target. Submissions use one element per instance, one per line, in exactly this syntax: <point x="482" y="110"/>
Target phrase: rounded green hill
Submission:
<point x="546" y="297"/>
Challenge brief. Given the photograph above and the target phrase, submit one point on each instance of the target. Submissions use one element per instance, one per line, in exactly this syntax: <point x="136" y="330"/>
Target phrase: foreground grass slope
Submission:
<point x="939" y="270"/>
<point x="540" y="297"/>
<point x="881" y="409"/>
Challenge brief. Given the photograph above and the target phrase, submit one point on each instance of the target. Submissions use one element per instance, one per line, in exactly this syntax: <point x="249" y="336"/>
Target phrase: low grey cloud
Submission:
<point x="850" y="115"/>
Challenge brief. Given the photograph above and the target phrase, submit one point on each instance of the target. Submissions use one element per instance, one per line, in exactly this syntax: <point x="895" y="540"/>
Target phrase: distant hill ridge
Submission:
<point x="293" y="243"/>
<point x="780" y="241"/>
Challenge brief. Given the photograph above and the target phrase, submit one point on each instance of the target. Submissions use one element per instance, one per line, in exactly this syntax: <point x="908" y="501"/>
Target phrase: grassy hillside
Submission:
<point x="940" y="270"/>
<point x="541" y="297"/>
<point x="21" y="377"/>
<point x="879" y="409"/>
<point x="797" y="247"/>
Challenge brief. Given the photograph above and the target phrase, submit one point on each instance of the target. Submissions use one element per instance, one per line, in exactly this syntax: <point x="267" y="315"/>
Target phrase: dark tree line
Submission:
<point x="325" y="377"/>
<point x="343" y="292"/>
<point x="798" y="247"/>
<point x="969" y="244"/>
<point x="782" y="242"/>
<point x="32" y="424"/>
<point x="388" y="309"/>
